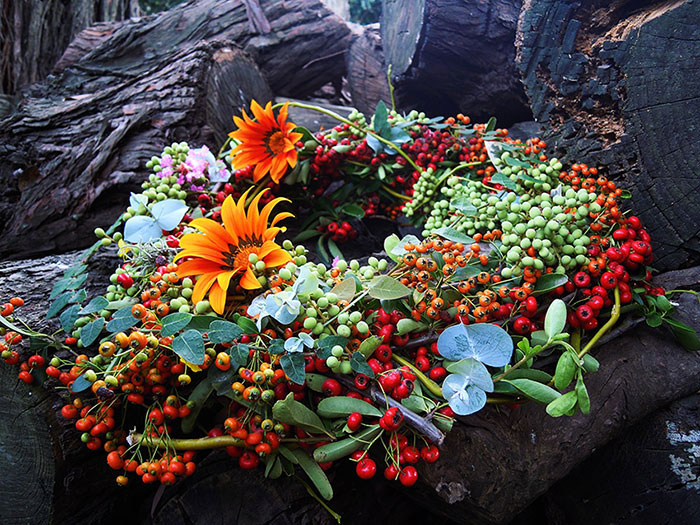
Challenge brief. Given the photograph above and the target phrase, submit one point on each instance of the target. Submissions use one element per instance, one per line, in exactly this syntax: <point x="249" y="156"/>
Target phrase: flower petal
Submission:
<point x="249" y="281"/>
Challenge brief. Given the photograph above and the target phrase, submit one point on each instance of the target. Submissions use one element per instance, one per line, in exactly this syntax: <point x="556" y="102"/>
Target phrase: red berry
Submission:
<point x="366" y="468"/>
<point x="331" y="387"/>
<point x="124" y="280"/>
<point x="408" y="476"/>
<point x="354" y="421"/>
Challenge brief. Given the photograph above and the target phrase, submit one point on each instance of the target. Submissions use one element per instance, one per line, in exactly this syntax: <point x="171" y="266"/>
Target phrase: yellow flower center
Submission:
<point x="276" y="143"/>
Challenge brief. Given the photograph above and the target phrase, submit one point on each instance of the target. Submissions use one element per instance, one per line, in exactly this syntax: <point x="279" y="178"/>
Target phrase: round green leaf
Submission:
<point x="190" y="347"/>
<point x="488" y="343"/>
<point x="555" y="320"/>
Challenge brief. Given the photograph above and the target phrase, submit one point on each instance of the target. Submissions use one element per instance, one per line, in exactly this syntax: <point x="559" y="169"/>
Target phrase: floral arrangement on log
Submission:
<point x="214" y="333"/>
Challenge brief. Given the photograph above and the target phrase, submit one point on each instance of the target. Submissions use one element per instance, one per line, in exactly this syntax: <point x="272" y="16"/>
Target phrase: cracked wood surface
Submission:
<point x="616" y="85"/>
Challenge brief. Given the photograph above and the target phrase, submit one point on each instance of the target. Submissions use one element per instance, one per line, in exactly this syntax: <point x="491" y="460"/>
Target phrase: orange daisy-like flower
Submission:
<point x="265" y="143"/>
<point x="221" y="252"/>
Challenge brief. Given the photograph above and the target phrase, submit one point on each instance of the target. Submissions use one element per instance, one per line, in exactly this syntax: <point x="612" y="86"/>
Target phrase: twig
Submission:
<point x="422" y="425"/>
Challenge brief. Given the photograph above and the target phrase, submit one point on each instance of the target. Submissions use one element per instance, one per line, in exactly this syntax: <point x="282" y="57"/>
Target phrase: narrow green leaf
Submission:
<point x="369" y="345"/>
<point x="406" y="326"/>
<point x="534" y="390"/>
<point x="564" y="373"/>
<point x="584" y="402"/>
<point x="295" y="413"/>
<point x="562" y="405"/>
<point x="197" y="398"/>
<point x="453" y="235"/>
<point x="345" y="447"/>
<point x="550" y="281"/>
<point x="316" y="474"/>
<point x="343" y="406"/>
<point x="555" y="320"/>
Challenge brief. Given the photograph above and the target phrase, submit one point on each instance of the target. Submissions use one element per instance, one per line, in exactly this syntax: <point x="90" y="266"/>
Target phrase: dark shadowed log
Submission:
<point x="34" y="33"/>
<point x="616" y="83"/>
<point x="78" y="144"/>
<point x="450" y="56"/>
<point x="492" y="464"/>
<point x="366" y="71"/>
<point x="71" y="159"/>
<point x="647" y="475"/>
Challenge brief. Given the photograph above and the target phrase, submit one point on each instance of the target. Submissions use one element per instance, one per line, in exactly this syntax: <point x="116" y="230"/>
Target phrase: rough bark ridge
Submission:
<point x="74" y="158"/>
<point x="615" y="83"/>
<point x="34" y="33"/>
<point x="494" y="457"/>
<point x="366" y="70"/>
<point x="78" y="143"/>
<point x="450" y="56"/>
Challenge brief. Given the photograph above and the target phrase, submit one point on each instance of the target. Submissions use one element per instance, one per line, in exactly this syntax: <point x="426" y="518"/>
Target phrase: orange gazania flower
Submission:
<point x="221" y="252"/>
<point x="265" y="143"/>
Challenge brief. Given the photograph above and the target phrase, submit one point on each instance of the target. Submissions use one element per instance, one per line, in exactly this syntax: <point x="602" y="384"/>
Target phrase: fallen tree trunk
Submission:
<point x="451" y="56"/>
<point x="492" y="464"/>
<point x="366" y="71"/>
<point x="611" y="81"/>
<point x="78" y="144"/>
<point x="34" y="33"/>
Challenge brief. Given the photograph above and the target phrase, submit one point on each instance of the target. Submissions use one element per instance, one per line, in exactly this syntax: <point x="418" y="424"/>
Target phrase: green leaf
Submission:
<point x="295" y="413"/>
<point x="499" y="178"/>
<point x="343" y="406"/>
<point x="358" y="362"/>
<point x="95" y="305"/>
<point x="315" y="473"/>
<point x="385" y="287"/>
<point x="530" y="373"/>
<point x="380" y="123"/>
<point x="69" y="317"/>
<point x="224" y="331"/>
<point x="416" y="401"/>
<point x="490" y="125"/>
<point x="584" y="402"/>
<point x="686" y="335"/>
<point x="306" y="235"/>
<point x="345" y="289"/>
<point x="345" y="447"/>
<point x="239" y="355"/>
<point x="333" y="248"/>
<point x="453" y="235"/>
<point x="562" y="405"/>
<point x="293" y="366"/>
<point x="353" y="210"/>
<point x="369" y="345"/>
<point x="201" y="322"/>
<point x="59" y="304"/>
<point x="399" y="248"/>
<point x="464" y="206"/>
<point x="390" y="243"/>
<point x="247" y="325"/>
<point x="534" y="390"/>
<point x="80" y="384"/>
<point x="555" y="320"/>
<point x="550" y="281"/>
<point x="315" y="382"/>
<point x="565" y="371"/>
<point x="173" y="323"/>
<point x="590" y="363"/>
<point x="406" y="326"/>
<point x="190" y="347"/>
<point x="91" y="331"/>
<point x="122" y="319"/>
<point x="654" y="320"/>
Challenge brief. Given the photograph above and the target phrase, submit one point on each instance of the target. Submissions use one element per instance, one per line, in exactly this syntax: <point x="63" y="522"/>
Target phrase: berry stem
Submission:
<point x="614" y="316"/>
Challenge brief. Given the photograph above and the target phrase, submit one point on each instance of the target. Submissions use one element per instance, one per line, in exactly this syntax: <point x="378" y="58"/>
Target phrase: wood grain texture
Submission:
<point x="366" y="70"/>
<point x="452" y="56"/>
<point x="616" y="84"/>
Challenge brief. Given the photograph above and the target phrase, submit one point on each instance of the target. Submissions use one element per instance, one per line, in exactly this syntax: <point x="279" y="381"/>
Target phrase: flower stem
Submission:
<point x="189" y="444"/>
<point x="614" y="316"/>
<point x="431" y="385"/>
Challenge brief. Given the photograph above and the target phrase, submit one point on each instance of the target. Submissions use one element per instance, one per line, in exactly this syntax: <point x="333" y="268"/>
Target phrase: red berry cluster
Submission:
<point x="339" y="232"/>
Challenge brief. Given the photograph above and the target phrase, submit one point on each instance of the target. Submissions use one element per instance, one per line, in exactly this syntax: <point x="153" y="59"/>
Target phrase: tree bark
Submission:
<point x="366" y="70"/>
<point x="78" y="144"/>
<point x="34" y="33"/>
<point x="450" y="56"/>
<point x="613" y="82"/>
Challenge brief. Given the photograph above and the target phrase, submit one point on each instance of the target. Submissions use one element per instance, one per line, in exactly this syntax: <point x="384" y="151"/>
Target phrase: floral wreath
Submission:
<point x="212" y="334"/>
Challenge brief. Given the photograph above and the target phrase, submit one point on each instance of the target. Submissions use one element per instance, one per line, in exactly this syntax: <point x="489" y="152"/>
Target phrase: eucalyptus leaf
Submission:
<point x="464" y="398"/>
<point x="488" y="343"/>
<point x="173" y="323"/>
<point x="190" y="346"/>
<point x="474" y="372"/>
<point x="221" y="331"/>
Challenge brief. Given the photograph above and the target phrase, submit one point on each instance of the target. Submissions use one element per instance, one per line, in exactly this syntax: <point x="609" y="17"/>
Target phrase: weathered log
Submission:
<point x="612" y="80"/>
<point x="72" y="154"/>
<point x="451" y="56"/>
<point x="647" y="475"/>
<point x="493" y="464"/>
<point x="366" y="71"/>
<point x="78" y="144"/>
<point x="34" y="33"/>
